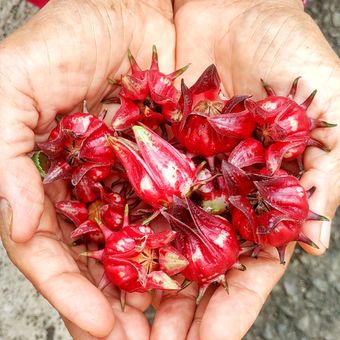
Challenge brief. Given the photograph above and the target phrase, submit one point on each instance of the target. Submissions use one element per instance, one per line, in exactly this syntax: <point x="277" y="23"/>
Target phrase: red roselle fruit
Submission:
<point x="78" y="146"/>
<point x="208" y="242"/>
<point x="136" y="259"/>
<point x="156" y="170"/>
<point x="146" y="96"/>
<point x="283" y="125"/>
<point x="273" y="213"/>
<point x="209" y="124"/>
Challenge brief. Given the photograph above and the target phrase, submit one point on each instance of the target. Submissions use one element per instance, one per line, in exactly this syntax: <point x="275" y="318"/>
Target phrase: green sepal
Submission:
<point x="41" y="162"/>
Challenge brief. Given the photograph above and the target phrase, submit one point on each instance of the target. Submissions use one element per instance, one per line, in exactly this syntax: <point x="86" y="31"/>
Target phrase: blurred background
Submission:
<point x="305" y="305"/>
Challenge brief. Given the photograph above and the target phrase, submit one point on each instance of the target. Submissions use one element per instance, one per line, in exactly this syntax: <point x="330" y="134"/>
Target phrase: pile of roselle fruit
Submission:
<point x="182" y="182"/>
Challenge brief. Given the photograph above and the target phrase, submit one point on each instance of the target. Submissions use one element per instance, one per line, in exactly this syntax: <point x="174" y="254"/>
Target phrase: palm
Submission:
<point x="77" y="46"/>
<point x="74" y="52"/>
<point x="249" y="40"/>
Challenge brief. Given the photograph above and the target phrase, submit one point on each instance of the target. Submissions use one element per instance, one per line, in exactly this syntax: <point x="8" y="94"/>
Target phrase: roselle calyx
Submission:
<point x="136" y="259"/>
<point x="283" y="125"/>
<point x="88" y="190"/>
<point x="210" y="124"/>
<point x="156" y="170"/>
<point x="208" y="242"/>
<point x="147" y="96"/>
<point x="248" y="152"/>
<point x="78" y="146"/>
<point x="78" y="213"/>
<point x="273" y="213"/>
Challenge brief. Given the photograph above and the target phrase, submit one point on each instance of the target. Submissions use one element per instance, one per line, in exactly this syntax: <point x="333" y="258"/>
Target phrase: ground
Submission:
<point x="304" y="305"/>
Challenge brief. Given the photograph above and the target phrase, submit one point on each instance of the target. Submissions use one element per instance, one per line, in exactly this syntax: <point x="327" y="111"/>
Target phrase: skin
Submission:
<point x="247" y="40"/>
<point x="77" y="46"/>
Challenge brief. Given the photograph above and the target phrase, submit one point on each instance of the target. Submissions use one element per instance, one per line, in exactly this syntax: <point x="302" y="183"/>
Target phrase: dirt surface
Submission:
<point x="305" y="305"/>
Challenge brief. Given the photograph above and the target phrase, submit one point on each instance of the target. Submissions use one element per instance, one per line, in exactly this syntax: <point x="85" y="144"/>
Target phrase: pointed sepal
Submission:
<point x="162" y="281"/>
<point x="236" y="180"/>
<point x="248" y="152"/>
<point x="171" y="261"/>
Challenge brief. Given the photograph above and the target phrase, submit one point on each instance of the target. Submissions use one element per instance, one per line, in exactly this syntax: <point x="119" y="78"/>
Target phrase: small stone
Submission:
<point x="326" y="19"/>
<point x="332" y="7"/>
<point x="332" y="276"/>
<point x="291" y="288"/>
<point x="337" y="287"/>
<point x="320" y="284"/>
<point x="305" y="259"/>
<point x="325" y="6"/>
<point x="288" y="310"/>
<point x="309" y="304"/>
<point x="334" y="32"/>
<point x="336" y="19"/>
<point x="268" y="332"/>
<point x="303" y="324"/>
<point x="310" y="294"/>
<point x="282" y="330"/>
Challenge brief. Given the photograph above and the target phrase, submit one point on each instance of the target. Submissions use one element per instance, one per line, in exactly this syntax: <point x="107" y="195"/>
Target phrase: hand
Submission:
<point x="61" y="57"/>
<point x="248" y="40"/>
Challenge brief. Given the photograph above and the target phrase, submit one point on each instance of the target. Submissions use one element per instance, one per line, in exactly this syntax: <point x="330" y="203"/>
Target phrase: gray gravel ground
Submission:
<point x="305" y="305"/>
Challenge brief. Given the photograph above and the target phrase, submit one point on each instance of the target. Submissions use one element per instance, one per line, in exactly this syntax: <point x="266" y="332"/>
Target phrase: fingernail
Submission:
<point x="5" y="216"/>
<point x="325" y="233"/>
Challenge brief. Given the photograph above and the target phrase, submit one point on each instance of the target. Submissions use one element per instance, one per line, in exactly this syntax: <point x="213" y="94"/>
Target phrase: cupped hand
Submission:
<point x="63" y="56"/>
<point x="69" y="281"/>
<point x="248" y="40"/>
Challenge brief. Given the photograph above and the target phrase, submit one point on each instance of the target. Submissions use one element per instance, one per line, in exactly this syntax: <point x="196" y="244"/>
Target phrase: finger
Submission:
<point x="139" y="301"/>
<point x="47" y="263"/>
<point x="316" y="158"/>
<point x="77" y="333"/>
<point x="175" y="314"/>
<point x="194" y="332"/>
<point x="229" y="316"/>
<point x="133" y="322"/>
<point x="324" y="202"/>
<point x="20" y="182"/>
<point x="130" y="325"/>
<point x="21" y="185"/>
<point x="156" y="299"/>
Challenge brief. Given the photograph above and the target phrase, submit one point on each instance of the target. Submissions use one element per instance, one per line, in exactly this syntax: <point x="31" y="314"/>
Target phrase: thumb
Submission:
<point x="323" y="201"/>
<point x="20" y="182"/>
